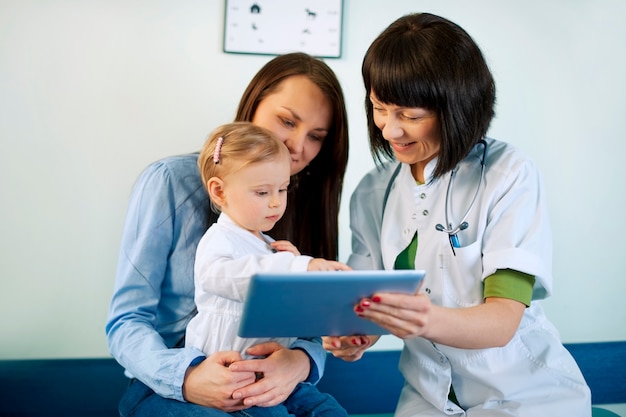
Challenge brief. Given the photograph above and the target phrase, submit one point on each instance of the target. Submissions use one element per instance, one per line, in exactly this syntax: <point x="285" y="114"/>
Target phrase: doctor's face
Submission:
<point x="412" y="132"/>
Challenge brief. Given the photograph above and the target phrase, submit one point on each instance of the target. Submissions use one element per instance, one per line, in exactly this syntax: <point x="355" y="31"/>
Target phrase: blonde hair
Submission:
<point x="240" y="144"/>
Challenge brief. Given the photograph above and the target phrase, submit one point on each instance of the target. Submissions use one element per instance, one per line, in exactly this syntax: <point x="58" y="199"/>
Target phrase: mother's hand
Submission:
<point x="211" y="383"/>
<point x="282" y="370"/>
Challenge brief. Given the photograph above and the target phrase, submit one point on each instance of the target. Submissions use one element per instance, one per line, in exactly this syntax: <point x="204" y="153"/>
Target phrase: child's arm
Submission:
<point x="319" y="264"/>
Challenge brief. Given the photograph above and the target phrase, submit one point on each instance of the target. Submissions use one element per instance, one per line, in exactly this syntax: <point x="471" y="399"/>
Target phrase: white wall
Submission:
<point x="92" y="91"/>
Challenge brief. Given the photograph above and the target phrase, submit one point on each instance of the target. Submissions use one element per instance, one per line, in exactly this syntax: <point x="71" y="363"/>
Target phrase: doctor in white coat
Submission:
<point x="471" y="212"/>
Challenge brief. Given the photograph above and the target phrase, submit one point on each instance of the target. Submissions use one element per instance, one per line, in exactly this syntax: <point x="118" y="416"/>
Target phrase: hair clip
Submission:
<point x="218" y="149"/>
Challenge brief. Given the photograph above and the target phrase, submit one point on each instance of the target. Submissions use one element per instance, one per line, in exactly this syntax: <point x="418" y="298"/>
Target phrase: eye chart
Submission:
<point x="274" y="27"/>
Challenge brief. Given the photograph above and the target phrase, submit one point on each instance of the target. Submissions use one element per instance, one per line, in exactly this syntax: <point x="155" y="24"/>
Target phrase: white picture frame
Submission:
<point x="275" y="27"/>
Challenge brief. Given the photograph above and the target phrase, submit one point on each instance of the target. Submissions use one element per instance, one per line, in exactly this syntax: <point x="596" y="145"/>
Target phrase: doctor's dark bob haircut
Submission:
<point x="423" y="60"/>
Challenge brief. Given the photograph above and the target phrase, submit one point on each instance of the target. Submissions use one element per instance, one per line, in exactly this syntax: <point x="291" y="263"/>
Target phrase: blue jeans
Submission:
<point x="304" y="401"/>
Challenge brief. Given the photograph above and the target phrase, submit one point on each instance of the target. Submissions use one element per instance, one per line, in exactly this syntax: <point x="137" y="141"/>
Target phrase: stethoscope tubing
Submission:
<point x="463" y="224"/>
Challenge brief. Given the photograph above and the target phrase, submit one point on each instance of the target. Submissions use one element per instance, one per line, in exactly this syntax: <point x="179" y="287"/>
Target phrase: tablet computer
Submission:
<point x="312" y="304"/>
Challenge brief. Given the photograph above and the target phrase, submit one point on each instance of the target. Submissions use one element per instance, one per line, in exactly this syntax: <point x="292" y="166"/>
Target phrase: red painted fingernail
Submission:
<point x="376" y="299"/>
<point x="359" y="309"/>
<point x="365" y="303"/>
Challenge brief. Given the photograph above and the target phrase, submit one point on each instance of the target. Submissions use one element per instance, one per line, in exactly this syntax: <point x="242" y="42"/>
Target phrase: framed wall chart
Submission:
<point x="274" y="27"/>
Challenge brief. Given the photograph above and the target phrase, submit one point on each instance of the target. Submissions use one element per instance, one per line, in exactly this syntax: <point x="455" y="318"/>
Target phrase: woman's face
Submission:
<point x="412" y="132"/>
<point x="300" y="115"/>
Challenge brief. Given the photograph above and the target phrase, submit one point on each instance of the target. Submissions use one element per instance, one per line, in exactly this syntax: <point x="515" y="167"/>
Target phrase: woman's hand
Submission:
<point x="282" y="370"/>
<point x="211" y="383"/>
<point x="487" y="325"/>
<point x="348" y="348"/>
<point x="405" y="316"/>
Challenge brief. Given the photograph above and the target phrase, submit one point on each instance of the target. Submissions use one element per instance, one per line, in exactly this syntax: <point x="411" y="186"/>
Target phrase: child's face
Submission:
<point x="256" y="195"/>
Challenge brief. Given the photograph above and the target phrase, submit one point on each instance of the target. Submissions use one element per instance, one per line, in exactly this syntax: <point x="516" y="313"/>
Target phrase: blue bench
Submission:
<point x="92" y="387"/>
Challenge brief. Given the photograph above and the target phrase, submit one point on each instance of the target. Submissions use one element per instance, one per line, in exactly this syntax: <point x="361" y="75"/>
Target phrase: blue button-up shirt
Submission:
<point x="154" y="287"/>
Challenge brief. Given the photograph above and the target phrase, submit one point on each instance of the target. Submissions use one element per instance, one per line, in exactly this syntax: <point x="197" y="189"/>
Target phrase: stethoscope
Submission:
<point x="451" y="230"/>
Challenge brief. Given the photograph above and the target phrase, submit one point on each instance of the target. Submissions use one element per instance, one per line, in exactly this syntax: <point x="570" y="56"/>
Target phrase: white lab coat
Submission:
<point x="534" y="374"/>
<point x="226" y="258"/>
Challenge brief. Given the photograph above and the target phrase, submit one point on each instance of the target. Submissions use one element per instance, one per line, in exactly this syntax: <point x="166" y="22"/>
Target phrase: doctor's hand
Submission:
<point x="404" y="315"/>
<point x="282" y="370"/>
<point x="490" y="324"/>
<point x="348" y="348"/>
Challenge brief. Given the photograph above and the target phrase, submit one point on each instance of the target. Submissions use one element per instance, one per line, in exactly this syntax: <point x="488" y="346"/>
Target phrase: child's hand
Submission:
<point x="285" y="246"/>
<point x="319" y="264"/>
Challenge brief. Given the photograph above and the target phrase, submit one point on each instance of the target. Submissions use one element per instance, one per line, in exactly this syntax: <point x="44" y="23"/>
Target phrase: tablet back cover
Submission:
<point x="312" y="304"/>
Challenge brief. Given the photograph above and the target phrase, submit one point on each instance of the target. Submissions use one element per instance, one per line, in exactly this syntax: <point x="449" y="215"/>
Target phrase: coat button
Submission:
<point x="423" y="196"/>
<point x="425" y="212"/>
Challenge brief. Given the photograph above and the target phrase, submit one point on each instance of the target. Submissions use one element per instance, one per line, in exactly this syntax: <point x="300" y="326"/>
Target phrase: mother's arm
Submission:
<point x="149" y="308"/>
